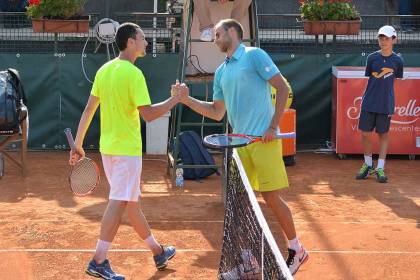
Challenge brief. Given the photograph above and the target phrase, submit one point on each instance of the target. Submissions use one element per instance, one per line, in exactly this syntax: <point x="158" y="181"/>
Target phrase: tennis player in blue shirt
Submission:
<point x="242" y="89"/>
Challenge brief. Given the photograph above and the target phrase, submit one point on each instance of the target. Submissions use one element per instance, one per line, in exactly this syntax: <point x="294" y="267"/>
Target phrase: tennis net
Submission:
<point x="249" y="250"/>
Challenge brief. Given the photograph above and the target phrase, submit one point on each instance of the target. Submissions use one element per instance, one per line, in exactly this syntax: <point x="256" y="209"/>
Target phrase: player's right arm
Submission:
<point x="154" y="111"/>
<point x="85" y="120"/>
<point x="214" y="110"/>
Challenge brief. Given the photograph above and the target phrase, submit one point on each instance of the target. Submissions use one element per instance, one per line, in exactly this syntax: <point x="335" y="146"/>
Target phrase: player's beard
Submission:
<point x="223" y="48"/>
<point x="224" y="42"/>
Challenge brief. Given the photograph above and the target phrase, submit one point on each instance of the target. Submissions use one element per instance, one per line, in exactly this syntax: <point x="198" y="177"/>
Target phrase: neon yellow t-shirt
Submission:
<point x="121" y="88"/>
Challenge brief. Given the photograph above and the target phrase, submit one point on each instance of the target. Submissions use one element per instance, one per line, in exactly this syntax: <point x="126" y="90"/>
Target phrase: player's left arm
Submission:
<point x="399" y="71"/>
<point x="282" y="93"/>
<point x="267" y="70"/>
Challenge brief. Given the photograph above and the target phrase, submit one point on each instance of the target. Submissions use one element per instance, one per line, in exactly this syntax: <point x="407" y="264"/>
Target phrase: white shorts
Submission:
<point x="123" y="174"/>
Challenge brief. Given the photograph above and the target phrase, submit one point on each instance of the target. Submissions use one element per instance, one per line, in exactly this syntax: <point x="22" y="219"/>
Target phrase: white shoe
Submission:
<point x="233" y="274"/>
<point x="207" y="35"/>
<point x="240" y="272"/>
<point x="249" y="269"/>
<point x="295" y="260"/>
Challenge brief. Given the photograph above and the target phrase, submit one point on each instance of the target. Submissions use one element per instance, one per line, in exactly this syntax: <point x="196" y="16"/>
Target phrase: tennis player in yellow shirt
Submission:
<point x="120" y="90"/>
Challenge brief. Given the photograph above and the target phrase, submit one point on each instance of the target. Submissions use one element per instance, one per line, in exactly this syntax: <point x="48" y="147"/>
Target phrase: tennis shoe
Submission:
<point x="364" y="171"/>
<point x="380" y="175"/>
<point x="161" y="260"/>
<point x="233" y="274"/>
<point x="103" y="270"/>
<point x="240" y="272"/>
<point x="249" y="269"/>
<point x="295" y="260"/>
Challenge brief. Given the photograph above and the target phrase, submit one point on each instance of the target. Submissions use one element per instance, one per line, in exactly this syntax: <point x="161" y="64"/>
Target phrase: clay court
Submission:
<point x="352" y="229"/>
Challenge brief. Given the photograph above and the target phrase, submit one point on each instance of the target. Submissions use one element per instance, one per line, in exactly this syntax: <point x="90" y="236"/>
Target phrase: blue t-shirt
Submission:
<point x="379" y="93"/>
<point x="241" y="82"/>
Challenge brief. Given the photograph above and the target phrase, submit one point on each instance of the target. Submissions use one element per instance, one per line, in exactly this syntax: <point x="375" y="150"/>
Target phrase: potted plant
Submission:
<point x="58" y="16"/>
<point x="336" y="17"/>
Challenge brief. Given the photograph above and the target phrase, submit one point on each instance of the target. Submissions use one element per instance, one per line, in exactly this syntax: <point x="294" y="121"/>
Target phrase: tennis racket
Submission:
<point x="84" y="175"/>
<point x="237" y="140"/>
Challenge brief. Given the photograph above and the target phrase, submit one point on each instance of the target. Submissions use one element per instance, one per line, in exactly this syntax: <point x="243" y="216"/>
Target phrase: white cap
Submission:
<point x="387" y="30"/>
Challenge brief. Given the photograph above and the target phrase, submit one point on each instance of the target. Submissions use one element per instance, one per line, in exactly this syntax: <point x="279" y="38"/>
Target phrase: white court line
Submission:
<point x="365" y="252"/>
<point x="199" y="251"/>
<point x="297" y="222"/>
<point x="221" y="221"/>
<point x="91" y="250"/>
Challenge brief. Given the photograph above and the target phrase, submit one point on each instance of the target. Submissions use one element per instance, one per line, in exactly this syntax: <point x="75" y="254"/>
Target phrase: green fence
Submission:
<point x="310" y="76"/>
<point x="57" y="91"/>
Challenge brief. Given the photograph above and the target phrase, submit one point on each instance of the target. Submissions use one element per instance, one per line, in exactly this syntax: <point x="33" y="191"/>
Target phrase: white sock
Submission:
<point x="102" y="248"/>
<point x="294" y="244"/>
<point x="368" y="160"/>
<point x="381" y="163"/>
<point x="152" y="243"/>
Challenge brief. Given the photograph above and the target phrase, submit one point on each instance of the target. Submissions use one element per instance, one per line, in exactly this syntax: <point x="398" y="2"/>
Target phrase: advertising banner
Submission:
<point x="349" y="84"/>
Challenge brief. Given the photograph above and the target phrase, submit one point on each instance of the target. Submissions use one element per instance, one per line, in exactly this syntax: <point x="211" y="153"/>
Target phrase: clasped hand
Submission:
<point x="180" y="91"/>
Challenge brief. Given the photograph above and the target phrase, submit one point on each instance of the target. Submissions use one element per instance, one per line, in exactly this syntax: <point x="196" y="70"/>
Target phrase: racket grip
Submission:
<point x="69" y="136"/>
<point x="287" y="135"/>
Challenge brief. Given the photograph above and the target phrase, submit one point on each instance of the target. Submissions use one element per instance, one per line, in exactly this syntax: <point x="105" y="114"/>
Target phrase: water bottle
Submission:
<point x="179" y="180"/>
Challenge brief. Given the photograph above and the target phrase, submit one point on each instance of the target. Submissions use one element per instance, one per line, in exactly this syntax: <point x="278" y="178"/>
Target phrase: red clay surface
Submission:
<point x="352" y="229"/>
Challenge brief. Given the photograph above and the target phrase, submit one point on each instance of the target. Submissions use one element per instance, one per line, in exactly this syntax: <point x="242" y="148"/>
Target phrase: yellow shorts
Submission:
<point x="264" y="166"/>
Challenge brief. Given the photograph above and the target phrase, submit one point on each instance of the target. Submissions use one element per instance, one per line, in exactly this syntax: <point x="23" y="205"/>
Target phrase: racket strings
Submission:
<point x="84" y="177"/>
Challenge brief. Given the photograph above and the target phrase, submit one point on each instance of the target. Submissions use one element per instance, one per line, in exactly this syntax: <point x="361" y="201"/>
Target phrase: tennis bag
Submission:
<point x="12" y="100"/>
<point x="192" y="151"/>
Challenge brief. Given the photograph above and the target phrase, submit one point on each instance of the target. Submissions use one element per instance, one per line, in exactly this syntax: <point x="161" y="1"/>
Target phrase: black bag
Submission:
<point x="12" y="102"/>
<point x="192" y="151"/>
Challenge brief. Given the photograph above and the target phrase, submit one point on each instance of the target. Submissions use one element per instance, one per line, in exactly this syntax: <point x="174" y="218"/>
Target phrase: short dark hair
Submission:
<point x="124" y="32"/>
<point x="228" y="23"/>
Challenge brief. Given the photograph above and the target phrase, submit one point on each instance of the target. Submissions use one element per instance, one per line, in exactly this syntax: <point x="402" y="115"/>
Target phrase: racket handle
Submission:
<point x="287" y="135"/>
<point x="69" y="136"/>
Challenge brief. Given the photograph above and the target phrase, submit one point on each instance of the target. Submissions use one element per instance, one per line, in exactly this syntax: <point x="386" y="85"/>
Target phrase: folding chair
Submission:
<point x="6" y="140"/>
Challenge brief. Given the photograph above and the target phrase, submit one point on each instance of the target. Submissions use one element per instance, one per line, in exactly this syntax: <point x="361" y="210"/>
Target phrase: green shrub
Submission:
<point x="59" y="9"/>
<point x="314" y="10"/>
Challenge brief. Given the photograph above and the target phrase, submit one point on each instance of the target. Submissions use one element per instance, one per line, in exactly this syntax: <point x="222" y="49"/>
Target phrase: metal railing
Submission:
<point x="162" y="30"/>
<point x="16" y="34"/>
<point x="284" y="33"/>
<point x="278" y="33"/>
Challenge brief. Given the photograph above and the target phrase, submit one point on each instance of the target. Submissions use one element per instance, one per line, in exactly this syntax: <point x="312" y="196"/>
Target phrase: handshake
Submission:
<point x="180" y="92"/>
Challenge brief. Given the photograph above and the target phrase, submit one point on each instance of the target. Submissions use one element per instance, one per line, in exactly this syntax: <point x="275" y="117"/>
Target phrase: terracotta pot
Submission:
<point x="60" y="25"/>
<point x="348" y="27"/>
